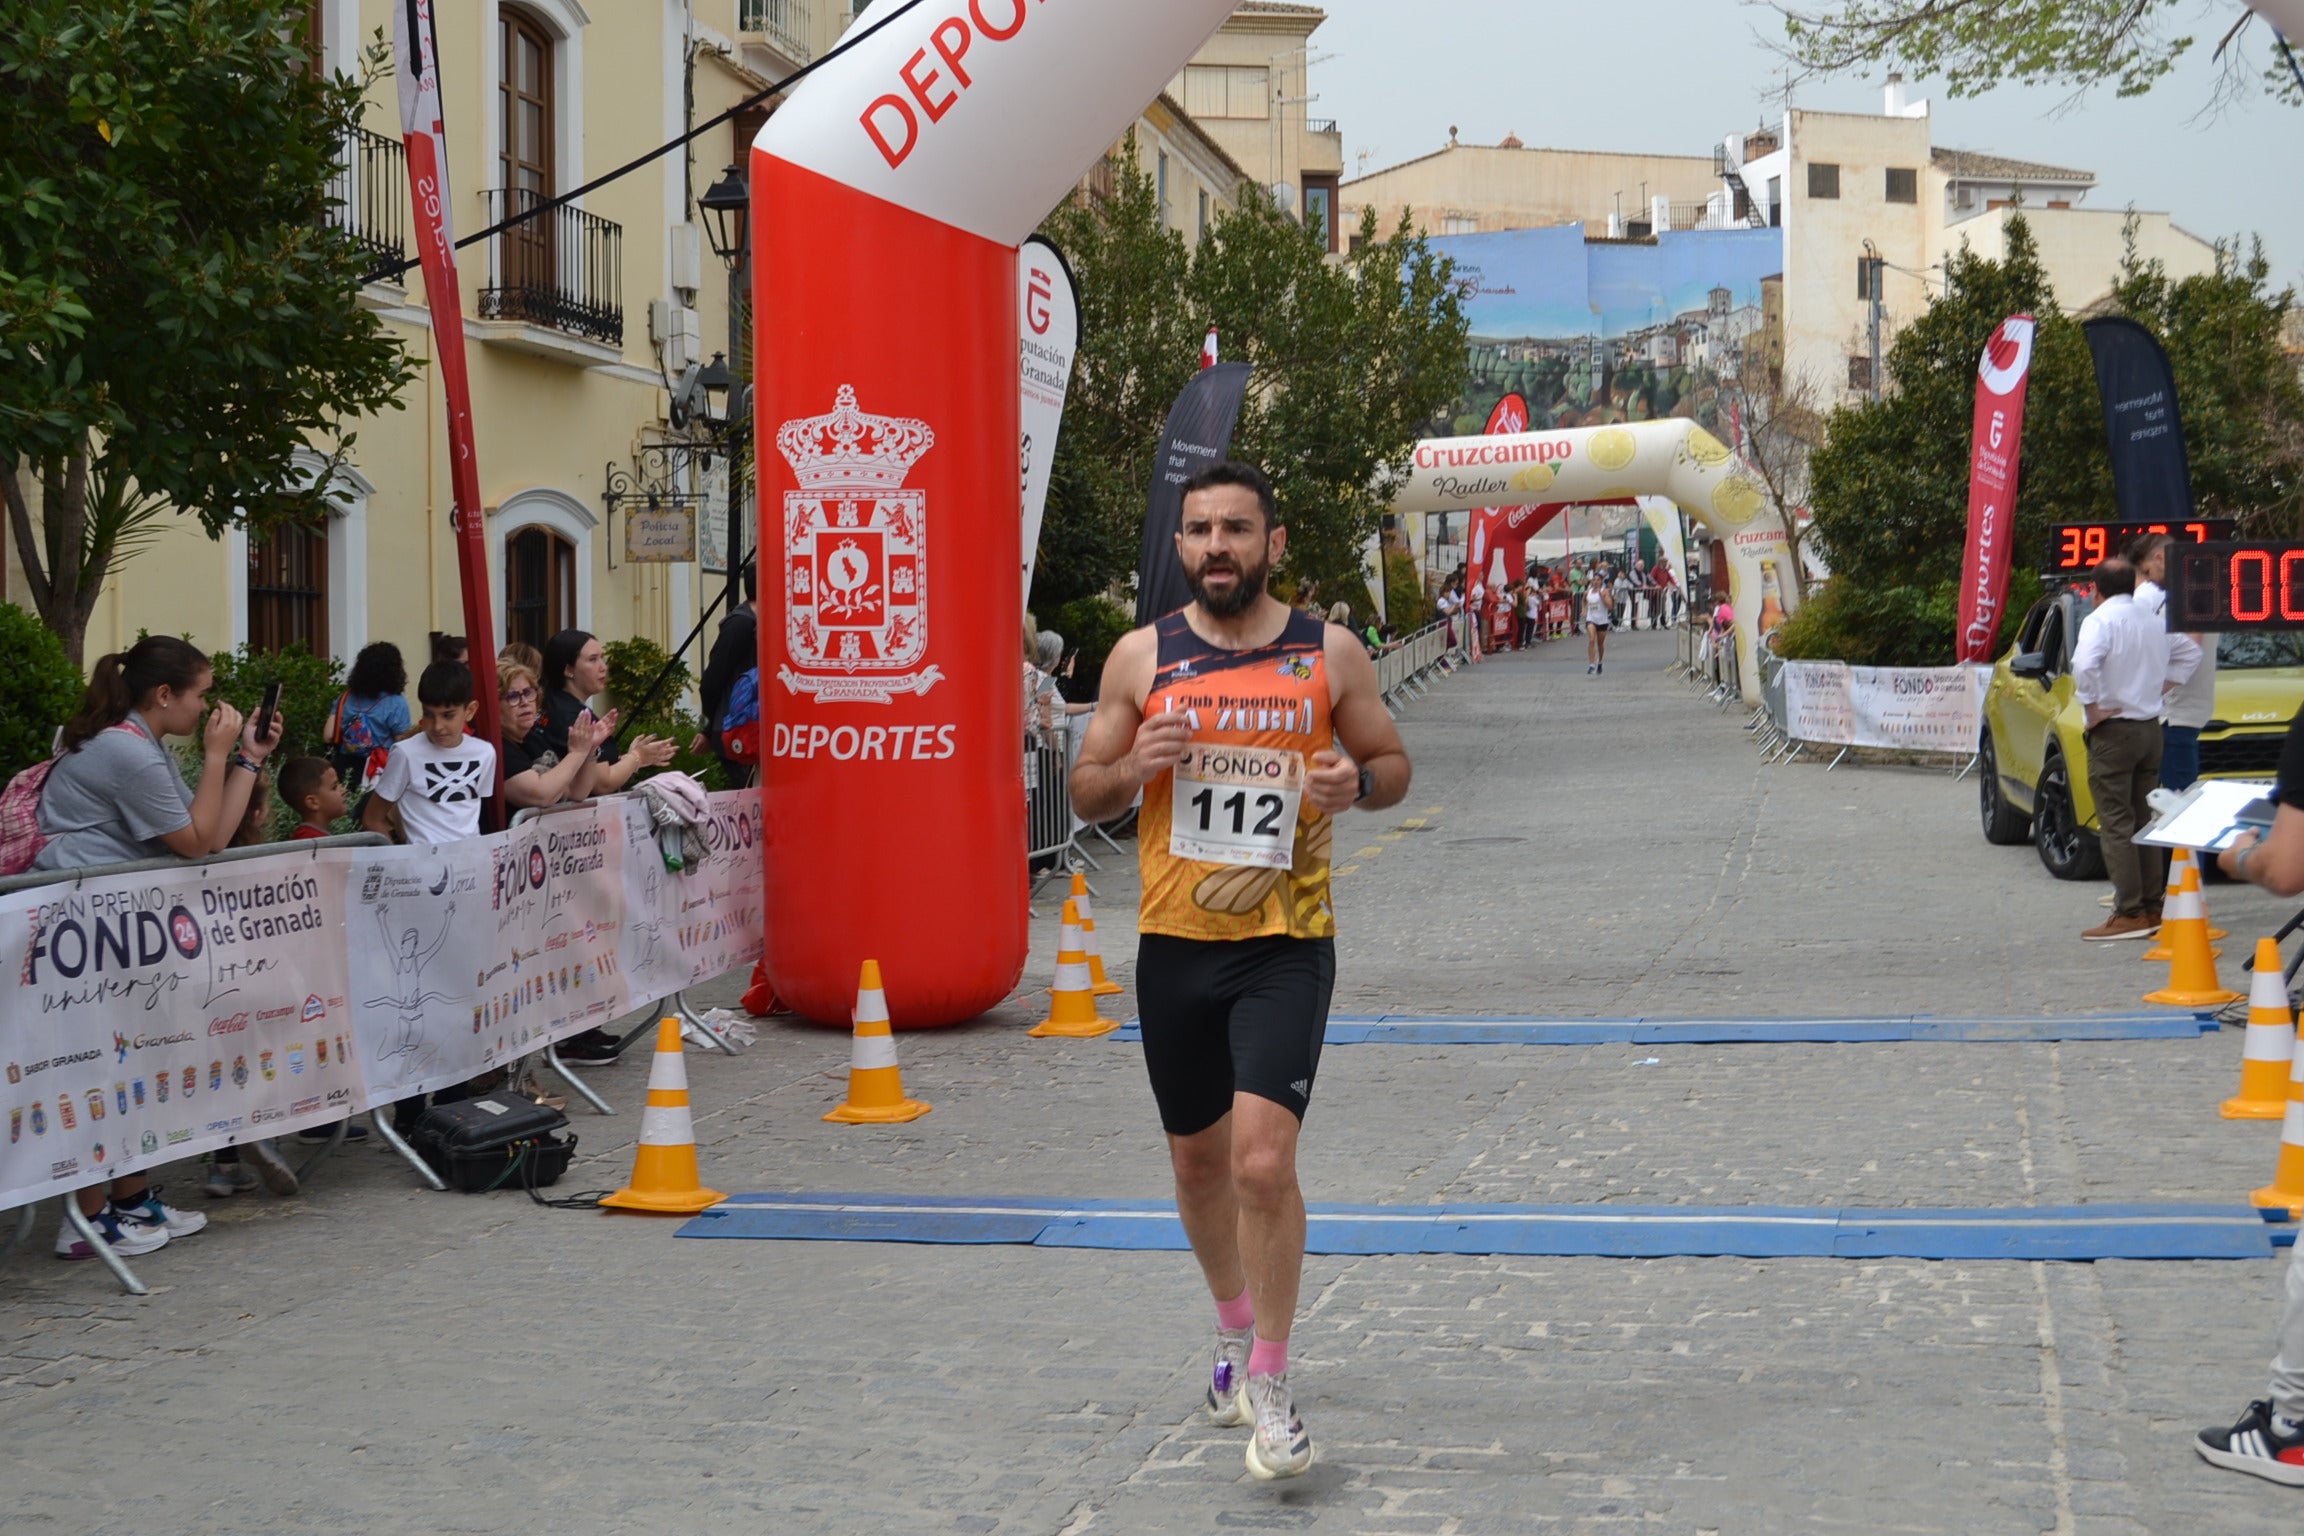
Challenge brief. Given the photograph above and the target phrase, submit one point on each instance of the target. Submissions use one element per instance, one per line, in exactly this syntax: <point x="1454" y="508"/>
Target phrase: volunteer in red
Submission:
<point x="1249" y="727"/>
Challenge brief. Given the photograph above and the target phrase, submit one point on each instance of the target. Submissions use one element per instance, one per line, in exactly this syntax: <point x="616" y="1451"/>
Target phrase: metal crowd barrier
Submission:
<point x="1405" y="671"/>
<point x="1049" y="830"/>
<point x="73" y="1216"/>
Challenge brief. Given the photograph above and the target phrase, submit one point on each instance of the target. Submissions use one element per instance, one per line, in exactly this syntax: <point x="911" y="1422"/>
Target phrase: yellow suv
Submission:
<point x="2032" y="768"/>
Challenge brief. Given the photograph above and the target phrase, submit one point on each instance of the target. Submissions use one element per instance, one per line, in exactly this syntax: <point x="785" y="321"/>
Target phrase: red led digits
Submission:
<point x="2249" y="582"/>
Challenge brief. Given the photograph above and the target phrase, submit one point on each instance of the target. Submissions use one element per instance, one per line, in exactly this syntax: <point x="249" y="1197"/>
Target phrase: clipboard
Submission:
<point x="2212" y="814"/>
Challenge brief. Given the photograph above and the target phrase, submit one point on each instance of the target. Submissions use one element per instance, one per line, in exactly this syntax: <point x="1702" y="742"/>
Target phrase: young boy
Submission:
<point x="310" y="787"/>
<point x="437" y="778"/>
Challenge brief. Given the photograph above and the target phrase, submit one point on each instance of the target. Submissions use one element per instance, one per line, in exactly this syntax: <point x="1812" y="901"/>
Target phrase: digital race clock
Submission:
<point x="2076" y="549"/>
<point x="2251" y="584"/>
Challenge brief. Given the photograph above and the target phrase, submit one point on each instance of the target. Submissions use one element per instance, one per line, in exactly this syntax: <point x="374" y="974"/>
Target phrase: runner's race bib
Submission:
<point x="1237" y="805"/>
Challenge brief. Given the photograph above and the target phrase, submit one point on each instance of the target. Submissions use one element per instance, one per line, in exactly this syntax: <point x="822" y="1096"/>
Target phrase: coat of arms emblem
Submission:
<point x="855" y="556"/>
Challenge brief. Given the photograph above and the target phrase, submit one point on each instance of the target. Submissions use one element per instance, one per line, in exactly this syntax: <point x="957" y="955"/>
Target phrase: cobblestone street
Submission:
<point x="374" y="1357"/>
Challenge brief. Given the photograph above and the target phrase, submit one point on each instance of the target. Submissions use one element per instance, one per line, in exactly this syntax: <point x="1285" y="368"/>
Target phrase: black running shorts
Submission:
<point x="1226" y="1016"/>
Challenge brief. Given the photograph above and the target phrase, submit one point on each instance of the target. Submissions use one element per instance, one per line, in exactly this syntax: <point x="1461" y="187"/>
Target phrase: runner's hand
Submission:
<point x="1161" y="742"/>
<point x="1333" y="783"/>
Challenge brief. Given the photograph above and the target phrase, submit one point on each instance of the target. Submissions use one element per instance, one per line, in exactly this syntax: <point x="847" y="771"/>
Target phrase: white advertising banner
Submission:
<point x="1909" y="709"/>
<point x="1915" y="709"/>
<point x="1048" y="320"/>
<point x="1817" y="702"/>
<point x="149" y="1017"/>
<point x="690" y="926"/>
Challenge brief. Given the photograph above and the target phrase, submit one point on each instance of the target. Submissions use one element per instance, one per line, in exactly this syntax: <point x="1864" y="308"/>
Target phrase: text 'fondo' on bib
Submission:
<point x="1237" y="805"/>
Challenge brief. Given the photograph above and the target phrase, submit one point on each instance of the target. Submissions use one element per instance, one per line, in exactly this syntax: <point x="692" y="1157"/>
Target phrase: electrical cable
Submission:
<point x="626" y="169"/>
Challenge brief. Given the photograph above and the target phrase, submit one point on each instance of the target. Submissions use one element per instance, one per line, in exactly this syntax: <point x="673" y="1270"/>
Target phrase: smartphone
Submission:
<point x="267" y="709"/>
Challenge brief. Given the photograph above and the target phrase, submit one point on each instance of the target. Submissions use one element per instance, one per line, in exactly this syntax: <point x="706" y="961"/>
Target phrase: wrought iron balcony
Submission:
<point x="785" y="22"/>
<point x="562" y="269"/>
<point x="368" y="200"/>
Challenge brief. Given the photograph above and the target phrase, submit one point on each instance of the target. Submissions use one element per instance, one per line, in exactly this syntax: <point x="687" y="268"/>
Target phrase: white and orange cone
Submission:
<point x="2286" y="1191"/>
<point x="2178" y="860"/>
<point x="1072" y="1009"/>
<point x="2270" y="1048"/>
<point x="664" y="1178"/>
<point x="875" y="1085"/>
<point x="2192" y="979"/>
<point x="1103" y="985"/>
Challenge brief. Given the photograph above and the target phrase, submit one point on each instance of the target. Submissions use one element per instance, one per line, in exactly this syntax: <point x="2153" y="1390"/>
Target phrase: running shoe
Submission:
<point x="149" y="1212"/>
<point x="593" y="1048"/>
<point x="228" y="1179"/>
<point x="1228" y="1384"/>
<point x="125" y="1238"/>
<point x="2258" y="1446"/>
<point x="271" y="1167"/>
<point x="1278" y="1446"/>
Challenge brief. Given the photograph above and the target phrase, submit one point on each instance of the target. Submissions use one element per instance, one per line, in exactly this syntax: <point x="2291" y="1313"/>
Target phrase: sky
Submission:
<point x="1676" y="76"/>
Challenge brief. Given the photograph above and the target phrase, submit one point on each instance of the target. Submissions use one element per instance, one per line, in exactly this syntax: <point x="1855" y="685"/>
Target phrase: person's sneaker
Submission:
<point x="2258" y="1446"/>
<point x="2116" y="927"/>
<point x="593" y="1048"/>
<point x="125" y="1238"/>
<point x="270" y="1166"/>
<point x="1278" y="1446"/>
<point x="1228" y="1383"/>
<point x="228" y="1179"/>
<point x="149" y="1212"/>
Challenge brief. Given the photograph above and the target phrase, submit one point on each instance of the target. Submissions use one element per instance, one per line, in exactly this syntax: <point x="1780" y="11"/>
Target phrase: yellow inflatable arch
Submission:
<point x="1674" y="458"/>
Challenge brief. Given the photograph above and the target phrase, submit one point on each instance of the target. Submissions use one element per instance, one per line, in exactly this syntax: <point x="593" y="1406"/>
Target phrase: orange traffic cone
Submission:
<point x="664" y="1174"/>
<point x="2178" y="859"/>
<point x="1104" y="986"/>
<point x="875" y="1086"/>
<point x="2266" y="1054"/>
<point x="2286" y="1191"/>
<point x="2192" y="979"/>
<point x="1072" y="1012"/>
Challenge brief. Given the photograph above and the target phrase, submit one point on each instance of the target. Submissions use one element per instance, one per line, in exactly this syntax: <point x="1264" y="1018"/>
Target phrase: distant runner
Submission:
<point x="1249" y="727"/>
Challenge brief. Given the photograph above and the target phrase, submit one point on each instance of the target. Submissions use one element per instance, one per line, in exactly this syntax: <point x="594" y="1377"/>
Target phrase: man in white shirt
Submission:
<point x="2121" y="670"/>
<point x="2189" y="706"/>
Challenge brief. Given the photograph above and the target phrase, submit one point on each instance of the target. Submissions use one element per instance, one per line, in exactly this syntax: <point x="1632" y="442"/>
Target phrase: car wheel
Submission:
<point x="2003" y="823"/>
<point x="2070" y="850"/>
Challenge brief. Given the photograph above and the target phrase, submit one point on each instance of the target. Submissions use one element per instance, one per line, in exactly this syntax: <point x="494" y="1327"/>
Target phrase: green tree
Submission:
<point x="1351" y="360"/>
<point x="178" y="314"/>
<point x="39" y="690"/>
<point x="1889" y="487"/>
<point x="1974" y="45"/>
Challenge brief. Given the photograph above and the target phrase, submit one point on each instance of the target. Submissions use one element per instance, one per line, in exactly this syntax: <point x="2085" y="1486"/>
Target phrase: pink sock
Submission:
<point x="1265" y="1358"/>
<point x="1236" y="1314"/>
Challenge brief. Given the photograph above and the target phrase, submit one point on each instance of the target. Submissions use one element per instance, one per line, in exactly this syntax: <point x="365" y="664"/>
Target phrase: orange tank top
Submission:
<point x="1228" y="845"/>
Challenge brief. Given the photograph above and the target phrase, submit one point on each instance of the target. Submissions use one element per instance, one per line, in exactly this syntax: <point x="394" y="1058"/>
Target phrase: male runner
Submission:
<point x="1249" y="727"/>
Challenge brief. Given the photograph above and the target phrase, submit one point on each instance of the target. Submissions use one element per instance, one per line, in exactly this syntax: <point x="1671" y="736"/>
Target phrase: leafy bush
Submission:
<point x="39" y="689"/>
<point x="635" y="664"/>
<point x="309" y="685"/>
<point x="1091" y="626"/>
<point x="1897" y="626"/>
<point x="1405" y="607"/>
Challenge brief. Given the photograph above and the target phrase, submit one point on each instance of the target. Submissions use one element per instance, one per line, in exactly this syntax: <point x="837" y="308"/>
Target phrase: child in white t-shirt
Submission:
<point x="437" y="778"/>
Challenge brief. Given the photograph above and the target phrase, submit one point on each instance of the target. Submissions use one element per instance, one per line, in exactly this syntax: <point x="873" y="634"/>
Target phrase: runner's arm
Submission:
<point x="1364" y="729"/>
<point x="1123" y="751"/>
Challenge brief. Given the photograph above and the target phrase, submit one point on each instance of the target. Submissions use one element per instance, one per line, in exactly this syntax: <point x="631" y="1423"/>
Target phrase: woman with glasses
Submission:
<point x="535" y="772"/>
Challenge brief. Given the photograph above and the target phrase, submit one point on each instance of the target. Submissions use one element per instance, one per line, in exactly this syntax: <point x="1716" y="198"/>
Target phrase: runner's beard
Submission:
<point x="1246" y="588"/>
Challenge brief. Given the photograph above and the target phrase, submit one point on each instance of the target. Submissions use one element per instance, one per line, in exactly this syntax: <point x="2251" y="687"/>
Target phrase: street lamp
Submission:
<point x="713" y="383"/>
<point x="724" y="204"/>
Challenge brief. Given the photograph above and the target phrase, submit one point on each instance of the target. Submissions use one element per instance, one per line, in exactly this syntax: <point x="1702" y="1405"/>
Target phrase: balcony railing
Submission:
<point x="368" y="200"/>
<point x="784" y="21"/>
<point x="563" y="269"/>
<point x="1321" y="125"/>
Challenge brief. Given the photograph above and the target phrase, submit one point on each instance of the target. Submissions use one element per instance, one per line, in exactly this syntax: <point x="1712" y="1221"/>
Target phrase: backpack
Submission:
<point x="359" y="754"/>
<point x="740" y="720"/>
<point x="20" y="836"/>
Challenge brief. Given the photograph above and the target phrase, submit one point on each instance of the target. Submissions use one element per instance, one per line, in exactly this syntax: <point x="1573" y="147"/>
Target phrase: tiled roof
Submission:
<point x="1971" y="165"/>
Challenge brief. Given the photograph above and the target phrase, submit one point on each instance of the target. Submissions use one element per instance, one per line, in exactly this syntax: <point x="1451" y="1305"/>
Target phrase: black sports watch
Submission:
<point x="1367" y="783"/>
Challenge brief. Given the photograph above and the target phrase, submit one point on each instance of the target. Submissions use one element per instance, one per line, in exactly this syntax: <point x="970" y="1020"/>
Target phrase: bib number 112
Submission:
<point x="1235" y="804"/>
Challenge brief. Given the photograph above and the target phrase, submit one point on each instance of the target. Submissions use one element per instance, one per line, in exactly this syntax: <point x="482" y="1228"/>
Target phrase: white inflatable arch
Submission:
<point x="1673" y="458"/>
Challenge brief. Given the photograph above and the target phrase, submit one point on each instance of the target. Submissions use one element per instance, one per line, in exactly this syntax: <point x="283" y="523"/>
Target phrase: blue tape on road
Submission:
<point x="1415" y="1029"/>
<point x="2144" y="1231"/>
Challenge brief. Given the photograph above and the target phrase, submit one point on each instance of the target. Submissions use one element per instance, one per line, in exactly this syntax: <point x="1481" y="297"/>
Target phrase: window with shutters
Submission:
<point x="1903" y="184"/>
<point x="524" y="158"/>
<point x="288" y="589"/>
<point x="1823" y="180"/>
<point x="539" y="585"/>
